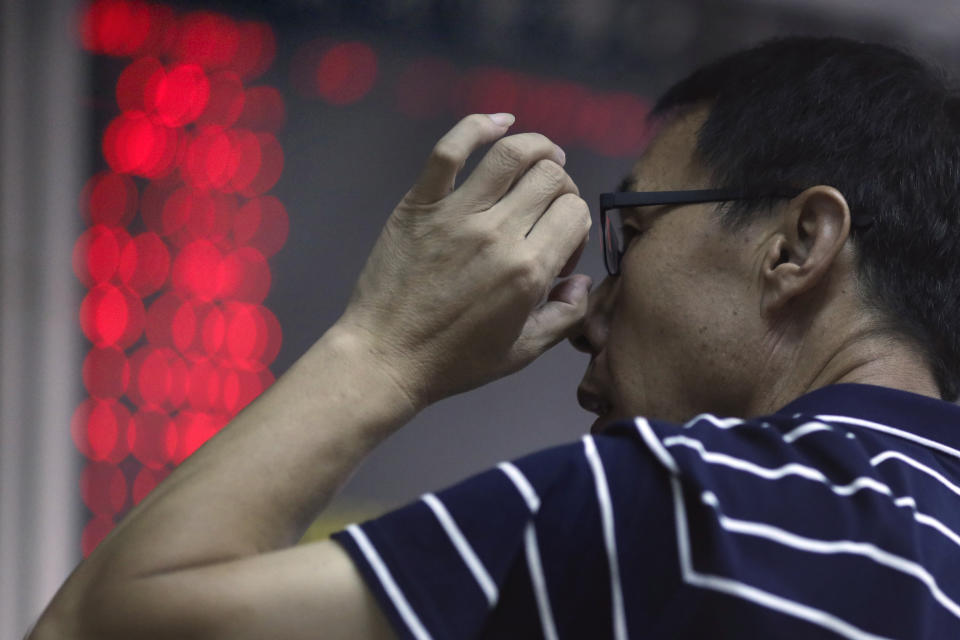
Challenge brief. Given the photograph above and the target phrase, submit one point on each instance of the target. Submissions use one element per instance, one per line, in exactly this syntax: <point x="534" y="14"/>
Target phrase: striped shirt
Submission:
<point x="836" y="517"/>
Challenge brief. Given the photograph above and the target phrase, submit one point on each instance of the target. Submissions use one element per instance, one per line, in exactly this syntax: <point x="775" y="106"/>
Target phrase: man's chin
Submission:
<point x="602" y="422"/>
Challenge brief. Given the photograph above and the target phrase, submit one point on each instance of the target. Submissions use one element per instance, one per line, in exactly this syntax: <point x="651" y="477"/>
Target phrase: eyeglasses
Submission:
<point x="613" y="246"/>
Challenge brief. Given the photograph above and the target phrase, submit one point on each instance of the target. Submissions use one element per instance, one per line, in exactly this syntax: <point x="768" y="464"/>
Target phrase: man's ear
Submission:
<point x="813" y="231"/>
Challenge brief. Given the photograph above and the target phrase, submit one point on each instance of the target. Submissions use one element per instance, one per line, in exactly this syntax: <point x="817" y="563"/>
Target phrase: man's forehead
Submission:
<point x="670" y="161"/>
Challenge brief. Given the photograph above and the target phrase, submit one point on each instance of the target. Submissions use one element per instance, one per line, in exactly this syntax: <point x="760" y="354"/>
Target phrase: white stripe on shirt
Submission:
<point x="776" y="473"/>
<point x="748" y="592"/>
<point x="609" y="536"/>
<point x="480" y="574"/>
<point x="539" y="583"/>
<point x="537" y="579"/>
<point x="852" y="547"/>
<point x="900" y="433"/>
<point x="656" y="447"/>
<point x="804" y="429"/>
<point x="720" y="423"/>
<point x="896" y="455"/>
<point x="407" y="614"/>
<point x="523" y="485"/>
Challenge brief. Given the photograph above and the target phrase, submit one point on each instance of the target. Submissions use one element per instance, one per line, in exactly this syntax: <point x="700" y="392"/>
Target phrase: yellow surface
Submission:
<point x="334" y="520"/>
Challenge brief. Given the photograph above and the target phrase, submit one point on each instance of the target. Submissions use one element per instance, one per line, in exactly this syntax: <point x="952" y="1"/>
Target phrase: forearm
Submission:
<point x="258" y="484"/>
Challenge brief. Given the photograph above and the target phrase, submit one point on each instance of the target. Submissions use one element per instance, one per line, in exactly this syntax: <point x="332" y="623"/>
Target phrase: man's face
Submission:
<point x="679" y="331"/>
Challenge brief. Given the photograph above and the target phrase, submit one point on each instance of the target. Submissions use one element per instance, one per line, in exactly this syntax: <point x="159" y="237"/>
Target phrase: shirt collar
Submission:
<point x="918" y="415"/>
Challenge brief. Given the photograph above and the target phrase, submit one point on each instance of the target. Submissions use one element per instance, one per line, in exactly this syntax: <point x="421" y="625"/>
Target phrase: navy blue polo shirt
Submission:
<point x="836" y="517"/>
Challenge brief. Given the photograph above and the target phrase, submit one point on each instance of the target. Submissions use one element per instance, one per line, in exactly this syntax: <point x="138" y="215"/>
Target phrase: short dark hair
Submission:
<point x="877" y="124"/>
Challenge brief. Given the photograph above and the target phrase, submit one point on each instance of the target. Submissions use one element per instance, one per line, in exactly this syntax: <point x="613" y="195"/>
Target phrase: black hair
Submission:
<point x="877" y="124"/>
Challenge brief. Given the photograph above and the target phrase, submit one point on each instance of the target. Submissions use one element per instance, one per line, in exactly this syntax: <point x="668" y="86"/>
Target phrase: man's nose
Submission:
<point x="593" y="336"/>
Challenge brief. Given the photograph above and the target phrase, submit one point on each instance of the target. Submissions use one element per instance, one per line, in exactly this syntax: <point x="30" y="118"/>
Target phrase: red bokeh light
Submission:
<point x="127" y="27"/>
<point x="153" y="438"/>
<point x="144" y="264"/>
<point x="252" y="336"/>
<point x="104" y="488"/>
<point x="136" y="144"/>
<point x="262" y="223"/>
<point x="205" y="143"/>
<point x="182" y="95"/>
<point x="210" y="161"/>
<point x="248" y="159"/>
<point x="213" y="329"/>
<point x="111" y="315"/>
<point x="116" y="27"/>
<point x="345" y="73"/>
<point x="138" y="85"/>
<point x="258" y="50"/>
<point x="194" y="428"/>
<point x="203" y="385"/>
<point x="550" y="107"/>
<point x="492" y="91"/>
<point x="171" y="322"/>
<point x="190" y="214"/>
<point x="106" y="372"/>
<point x="158" y="378"/>
<point x="240" y="388"/>
<point x="175" y="210"/>
<point x="613" y="124"/>
<point x="96" y="254"/>
<point x="212" y="221"/>
<point x="271" y="167"/>
<point x="146" y="481"/>
<point x="109" y="199"/>
<point x="94" y="532"/>
<point x="209" y="39"/>
<point x="99" y="429"/>
<point x="244" y="275"/>
<point x="195" y="270"/>
<point x="226" y="102"/>
<point x="263" y="110"/>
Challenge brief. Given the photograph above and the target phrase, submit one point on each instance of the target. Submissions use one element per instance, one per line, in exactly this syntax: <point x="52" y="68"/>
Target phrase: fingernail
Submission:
<point x="502" y="119"/>
<point x="560" y="156"/>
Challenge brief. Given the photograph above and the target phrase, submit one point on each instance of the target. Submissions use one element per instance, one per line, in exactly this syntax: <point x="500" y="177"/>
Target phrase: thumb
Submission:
<point x="558" y="318"/>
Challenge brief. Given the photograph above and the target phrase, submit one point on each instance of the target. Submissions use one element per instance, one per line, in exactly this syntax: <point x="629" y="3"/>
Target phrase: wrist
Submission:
<point x="379" y="375"/>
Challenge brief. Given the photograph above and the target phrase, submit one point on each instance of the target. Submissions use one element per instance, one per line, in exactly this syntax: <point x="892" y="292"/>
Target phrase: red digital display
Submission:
<point x="175" y="255"/>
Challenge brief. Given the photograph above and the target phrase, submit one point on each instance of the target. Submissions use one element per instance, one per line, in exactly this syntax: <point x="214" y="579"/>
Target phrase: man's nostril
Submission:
<point x="581" y="343"/>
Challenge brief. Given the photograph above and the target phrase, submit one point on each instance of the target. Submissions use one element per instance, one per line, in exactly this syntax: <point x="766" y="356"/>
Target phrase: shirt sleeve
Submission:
<point x="525" y="549"/>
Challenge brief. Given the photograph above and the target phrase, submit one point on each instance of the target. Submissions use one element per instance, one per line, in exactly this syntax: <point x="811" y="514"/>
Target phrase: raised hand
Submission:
<point x="453" y="293"/>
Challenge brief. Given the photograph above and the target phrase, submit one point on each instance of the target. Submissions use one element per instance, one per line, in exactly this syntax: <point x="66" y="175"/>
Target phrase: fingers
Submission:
<point x="533" y="194"/>
<point x="558" y="236"/>
<point x="451" y="152"/>
<point x="506" y="161"/>
<point x="559" y="318"/>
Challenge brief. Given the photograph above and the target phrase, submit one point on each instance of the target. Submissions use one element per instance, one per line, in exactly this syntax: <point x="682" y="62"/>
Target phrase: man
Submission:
<point x="812" y="291"/>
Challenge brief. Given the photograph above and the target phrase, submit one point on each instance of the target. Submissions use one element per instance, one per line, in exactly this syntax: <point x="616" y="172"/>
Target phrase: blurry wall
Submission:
<point x="43" y="134"/>
<point x="367" y="87"/>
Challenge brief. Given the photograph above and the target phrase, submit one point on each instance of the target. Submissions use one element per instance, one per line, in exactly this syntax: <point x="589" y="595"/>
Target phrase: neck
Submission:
<point x="861" y="356"/>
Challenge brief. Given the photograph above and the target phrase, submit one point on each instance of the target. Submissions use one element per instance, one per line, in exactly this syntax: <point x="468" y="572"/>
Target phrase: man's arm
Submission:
<point x="449" y="300"/>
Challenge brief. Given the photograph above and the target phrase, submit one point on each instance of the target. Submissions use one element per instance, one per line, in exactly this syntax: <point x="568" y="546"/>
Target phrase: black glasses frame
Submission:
<point x="627" y="199"/>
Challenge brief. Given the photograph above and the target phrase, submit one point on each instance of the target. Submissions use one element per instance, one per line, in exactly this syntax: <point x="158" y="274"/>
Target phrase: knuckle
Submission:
<point x="575" y="204"/>
<point x="527" y="275"/>
<point x="537" y="140"/>
<point x="486" y="238"/>
<point x="552" y="174"/>
<point x="447" y="152"/>
<point x="510" y="151"/>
